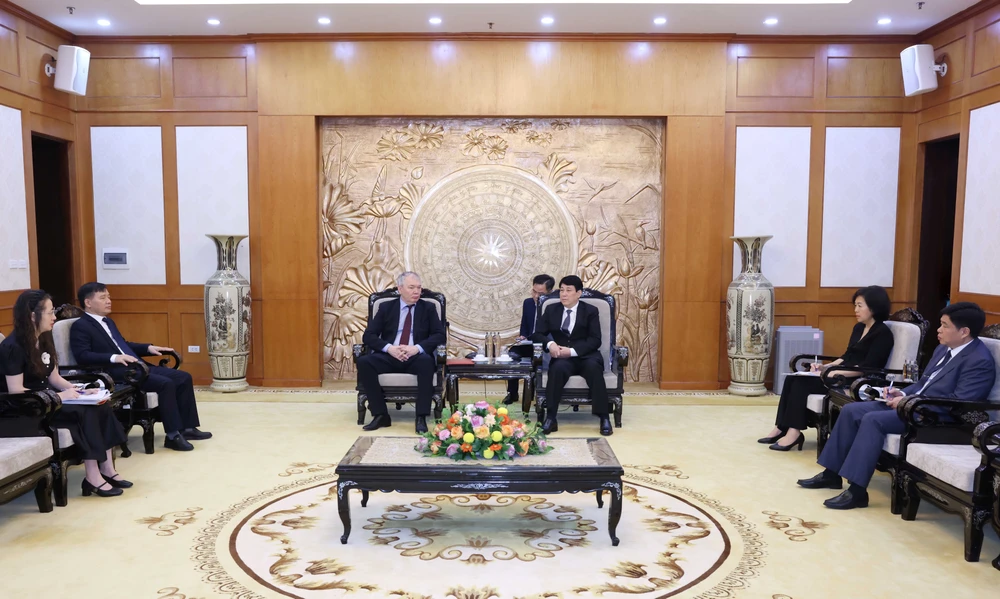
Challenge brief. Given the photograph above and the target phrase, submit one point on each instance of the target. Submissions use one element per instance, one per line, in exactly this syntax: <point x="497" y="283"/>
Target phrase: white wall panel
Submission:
<point x="860" y="185"/>
<point x="980" y="242"/>
<point x="14" y="224"/>
<point x="772" y="198"/>
<point x="212" y="195"/>
<point x="128" y="202"/>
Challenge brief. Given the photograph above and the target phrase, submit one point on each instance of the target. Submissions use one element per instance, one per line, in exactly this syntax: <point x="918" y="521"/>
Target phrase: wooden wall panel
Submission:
<point x="210" y="77"/>
<point x="143" y="327"/>
<point x="124" y="77"/>
<point x="193" y="333"/>
<point x="9" y="56"/>
<point x="986" y="48"/>
<point x="775" y="77"/>
<point x="38" y="55"/>
<point x="864" y="78"/>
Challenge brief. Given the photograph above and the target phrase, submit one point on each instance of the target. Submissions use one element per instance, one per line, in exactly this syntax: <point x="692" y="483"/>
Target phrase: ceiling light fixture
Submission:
<point x="884" y="21"/>
<point x="660" y="21"/>
<point x="771" y="21"/>
<point x="548" y="21"/>
<point x="104" y="22"/>
<point x="323" y="20"/>
<point x="214" y="22"/>
<point x="434" y="20"/>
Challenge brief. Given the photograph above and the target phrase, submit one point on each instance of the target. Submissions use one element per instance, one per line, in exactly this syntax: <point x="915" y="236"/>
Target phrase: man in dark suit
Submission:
<point x="571" y="332"/>
<point x="96" y="341"/>
<point x="961" y="368"/>
<point x="401" y="337"/>
<point x="540" y="285"/>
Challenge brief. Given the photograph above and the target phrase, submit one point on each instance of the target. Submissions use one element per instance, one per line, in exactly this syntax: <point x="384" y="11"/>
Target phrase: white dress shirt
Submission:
<point x="107" y="329"/>
<point x="399" y="327"/>
<point x="572" y="324"/>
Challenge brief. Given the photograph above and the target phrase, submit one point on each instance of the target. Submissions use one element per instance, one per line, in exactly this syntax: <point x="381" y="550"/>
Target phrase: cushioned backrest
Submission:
<point x="905" y="345"/>
<point x="382" y="300"/>
<point x="994" y="346"/>
<point x="604" y="312"/>
<point x="60" y="336"/>
<point x="2" y="337"/>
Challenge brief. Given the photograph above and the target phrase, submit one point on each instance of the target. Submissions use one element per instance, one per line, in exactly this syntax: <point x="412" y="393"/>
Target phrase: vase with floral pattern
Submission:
<point x="227" y="318"/>
<point x="749" y="320"/>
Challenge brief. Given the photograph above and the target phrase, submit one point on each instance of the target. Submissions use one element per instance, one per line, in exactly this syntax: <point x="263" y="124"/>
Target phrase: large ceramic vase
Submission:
<point x="227" y="318"/>
<point x="749" y="320"/>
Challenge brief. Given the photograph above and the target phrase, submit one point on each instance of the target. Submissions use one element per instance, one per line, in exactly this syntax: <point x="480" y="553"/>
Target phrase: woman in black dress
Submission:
<point x="28" y="363"/>
<point x="870" y="345"/>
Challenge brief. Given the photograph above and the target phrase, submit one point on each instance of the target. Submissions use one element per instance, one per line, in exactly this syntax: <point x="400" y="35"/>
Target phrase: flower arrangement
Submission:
<point x="482" y="431"/>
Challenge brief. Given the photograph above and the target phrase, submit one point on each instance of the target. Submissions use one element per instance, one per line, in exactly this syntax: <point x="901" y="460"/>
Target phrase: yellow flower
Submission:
<point x="502" y="412"/>
<point x="497" y="436"/>
<point x="481" y="432"/>
<point x="488" y="454"/>
<point x="468" y="437"/>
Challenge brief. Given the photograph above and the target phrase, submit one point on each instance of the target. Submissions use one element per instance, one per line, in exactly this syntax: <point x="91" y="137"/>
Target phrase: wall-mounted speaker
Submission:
<point x="919" y="71"/>
<point x="72" y="69"/>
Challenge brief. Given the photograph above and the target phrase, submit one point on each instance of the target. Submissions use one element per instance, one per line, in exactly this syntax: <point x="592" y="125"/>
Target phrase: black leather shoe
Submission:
<point x="779" y="447"/>
<point x="550" y="426"/>
<point x="822" y="481"/>
<point x="606" y="428"/>
<point x="379" y="421"/>
<point x="193" y="434"/>
<point x="120" y="483"/>
<point x="421" y="425"/>
<point x="89" y="489"/>
<point x="178" y="443"/>
<point x="769" y="440"/>
<point x="509" y="399"/>
<point x="847" y="501"/>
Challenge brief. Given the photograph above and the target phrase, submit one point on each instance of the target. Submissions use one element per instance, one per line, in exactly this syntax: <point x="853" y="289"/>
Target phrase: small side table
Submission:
<point x="493" y="370"/>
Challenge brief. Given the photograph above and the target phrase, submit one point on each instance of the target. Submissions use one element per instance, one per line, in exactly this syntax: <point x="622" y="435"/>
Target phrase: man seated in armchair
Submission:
<point x="96" y="341"/>
<point x="571" y="332"/>
<point x="402" y="337"/>
<point x="530" y="314"/>
<point x="961" y="368"/>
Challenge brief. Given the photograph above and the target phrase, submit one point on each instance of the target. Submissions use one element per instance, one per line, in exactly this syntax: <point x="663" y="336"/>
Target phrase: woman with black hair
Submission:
<point x="870" y="345"/>
<point x="28" y="363"/>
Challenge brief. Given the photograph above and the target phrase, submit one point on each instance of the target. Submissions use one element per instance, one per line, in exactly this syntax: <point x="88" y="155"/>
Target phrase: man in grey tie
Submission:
<point x="961" y="368"/>
<point x="571" y="333"/>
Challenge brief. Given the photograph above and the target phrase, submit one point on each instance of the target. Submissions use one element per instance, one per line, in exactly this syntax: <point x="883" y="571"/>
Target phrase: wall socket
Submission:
<point x="194" y="349"/>
<point x="17" y="264"/>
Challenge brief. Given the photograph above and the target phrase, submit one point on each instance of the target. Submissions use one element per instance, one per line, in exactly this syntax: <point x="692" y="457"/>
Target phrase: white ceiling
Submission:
<point x="128" y="18"/>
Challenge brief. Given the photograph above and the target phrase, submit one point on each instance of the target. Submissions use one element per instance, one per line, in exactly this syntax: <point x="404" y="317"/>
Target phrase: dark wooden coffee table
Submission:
<point x="390" y="464"/>
<point x="492" y="370"/>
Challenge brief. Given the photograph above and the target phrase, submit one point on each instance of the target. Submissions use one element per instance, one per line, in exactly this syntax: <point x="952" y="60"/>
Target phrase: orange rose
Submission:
<point x="491" y="410"/>
<point x="435" y="446"/>
<point x="481" y="432"/>
<point x="505" y="419"/>
<point x="456" y="432"/>
<point x="516" y="424"/>
<point x="506" y="430"/>
<point x="525" y="445"/>
<point x="467" y="448"/>
<point x="496" y="447"/>
<point x="438" y="428"/>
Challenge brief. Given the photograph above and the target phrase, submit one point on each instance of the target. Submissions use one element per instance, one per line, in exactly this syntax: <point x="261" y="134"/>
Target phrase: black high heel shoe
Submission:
<point x="89" y="489"/>
<point x="118" y="483"/>
<point x="769" y="440"/>
<point x="800" y="442"/>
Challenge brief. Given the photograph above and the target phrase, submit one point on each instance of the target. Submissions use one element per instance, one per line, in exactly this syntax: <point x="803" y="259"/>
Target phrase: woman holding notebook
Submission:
<point x="28" y="363"/>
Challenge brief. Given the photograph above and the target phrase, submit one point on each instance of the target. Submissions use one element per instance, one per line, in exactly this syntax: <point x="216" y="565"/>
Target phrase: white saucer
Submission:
<point x="480" y="359"/>
<point x="502" y="359"/>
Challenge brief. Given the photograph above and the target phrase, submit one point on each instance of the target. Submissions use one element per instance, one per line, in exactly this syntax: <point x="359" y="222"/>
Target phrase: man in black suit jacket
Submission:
<point x="540" y="285"/>
<point x="96" y="341"/>
<point x="571" y="332"/>
<point x="401" y="337"/>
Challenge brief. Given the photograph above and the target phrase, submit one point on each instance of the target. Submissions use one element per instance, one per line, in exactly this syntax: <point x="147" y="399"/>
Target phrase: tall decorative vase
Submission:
<point x="749" y="320"/>
<point x="227" y="318"/>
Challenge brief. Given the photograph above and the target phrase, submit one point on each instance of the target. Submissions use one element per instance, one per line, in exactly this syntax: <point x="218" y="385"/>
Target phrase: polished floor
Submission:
<point x="708" y="513"/>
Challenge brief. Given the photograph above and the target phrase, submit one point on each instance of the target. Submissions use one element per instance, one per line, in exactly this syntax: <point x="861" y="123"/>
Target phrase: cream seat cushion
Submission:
<point x="65" y="439"/>
<point x="953" y="464"/>
<point x="20" y="453"/>
<point x="578" y="382"/>
<point x="401" y="379"/>
<point x="815" y="402"/>
<point x="891" y="444"/>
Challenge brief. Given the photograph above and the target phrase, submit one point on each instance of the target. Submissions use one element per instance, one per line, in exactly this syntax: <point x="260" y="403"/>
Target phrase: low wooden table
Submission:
<point x="391" y="464"/>
<point x="493" y="370"/>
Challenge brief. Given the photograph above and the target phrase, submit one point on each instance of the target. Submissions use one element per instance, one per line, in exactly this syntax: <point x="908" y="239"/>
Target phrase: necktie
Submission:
<point x="930" y="373"/>
<point x="565" y="324"/>
<point x="123" y="345"/>
<point x="538" y="316"/>
<point x="947" y="358"/>
<point x="404" y="339"/>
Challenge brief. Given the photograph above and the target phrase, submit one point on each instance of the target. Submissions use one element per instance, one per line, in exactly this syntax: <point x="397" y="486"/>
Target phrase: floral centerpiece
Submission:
<point x="482" y="431"/>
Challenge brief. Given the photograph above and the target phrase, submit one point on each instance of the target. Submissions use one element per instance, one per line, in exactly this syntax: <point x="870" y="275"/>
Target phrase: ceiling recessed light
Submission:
<point x="434" y="20"/>
<point x="104" y="22"/>
<point x="771" y="21"/>
<point x="884" y="21"/>
<point x="548" y="20"/>
<point x="214" y="22"/>
<point x="660" y="21"/>
<point x="323" y="20"/>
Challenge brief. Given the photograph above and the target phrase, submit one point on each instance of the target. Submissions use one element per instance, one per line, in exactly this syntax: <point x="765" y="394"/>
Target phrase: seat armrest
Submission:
<point x="358" y="350"/>
<point x="164" y="360"/>
<point x="441" y="355"/>
<point x="619" y="357"/>
<point x="793" y="364"/>
<point x="986" y="438"/>
<point x="925" y="412"/>
<point x="31" y="404"/>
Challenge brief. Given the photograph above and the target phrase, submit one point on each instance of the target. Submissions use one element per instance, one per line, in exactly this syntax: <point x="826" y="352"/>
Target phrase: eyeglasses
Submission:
<point x="48" y="312"/>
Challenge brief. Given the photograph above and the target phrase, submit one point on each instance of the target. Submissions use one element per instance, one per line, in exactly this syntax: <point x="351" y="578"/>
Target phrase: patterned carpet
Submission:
<point x="252" y="513"/>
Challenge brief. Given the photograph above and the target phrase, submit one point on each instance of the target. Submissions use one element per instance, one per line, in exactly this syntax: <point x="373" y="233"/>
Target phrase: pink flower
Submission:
<point x="452" y="449"/>
<point x="510" y="451"/>
<point x="519" y="433"/>
<point x="482" y="405"/>
<point x="541" y="444"/>
<point x="443" y="435"/>
<point x="421" y="444"/>
<point x="476" y="421"/>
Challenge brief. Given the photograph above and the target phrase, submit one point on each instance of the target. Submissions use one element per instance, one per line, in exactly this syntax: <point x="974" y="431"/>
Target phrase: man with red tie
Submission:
<point x="401" y="337"/>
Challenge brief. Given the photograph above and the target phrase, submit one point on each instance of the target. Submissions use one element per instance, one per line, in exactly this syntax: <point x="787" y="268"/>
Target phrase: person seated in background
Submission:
<point x="571" y="332"/>
<point x="961" y="368"/>
<point x="530" y="312"/>
<point x="28" y="363"/>
<point x="870" y="345"/>
<point x="96" y="341"/>
<point x="402" y="337"/>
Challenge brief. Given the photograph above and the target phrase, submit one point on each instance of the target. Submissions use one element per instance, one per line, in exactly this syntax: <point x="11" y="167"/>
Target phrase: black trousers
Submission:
<point x="591" y="368"/>
<point x="792" y="410"/>
<point x="373" y="364"/>
<point x="175" y="391"/>
<point x="94" y="429"/>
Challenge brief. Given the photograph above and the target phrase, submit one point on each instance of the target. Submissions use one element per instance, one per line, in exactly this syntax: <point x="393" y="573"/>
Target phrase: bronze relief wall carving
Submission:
<point x="478" y="207"/>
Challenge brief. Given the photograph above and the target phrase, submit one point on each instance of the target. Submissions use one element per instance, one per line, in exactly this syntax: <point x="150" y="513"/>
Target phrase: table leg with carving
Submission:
<point x="600" y="498"/>
<point x="615" y="514"/>
<point x="344" y="508"/>
<point x="529" y="394"/>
